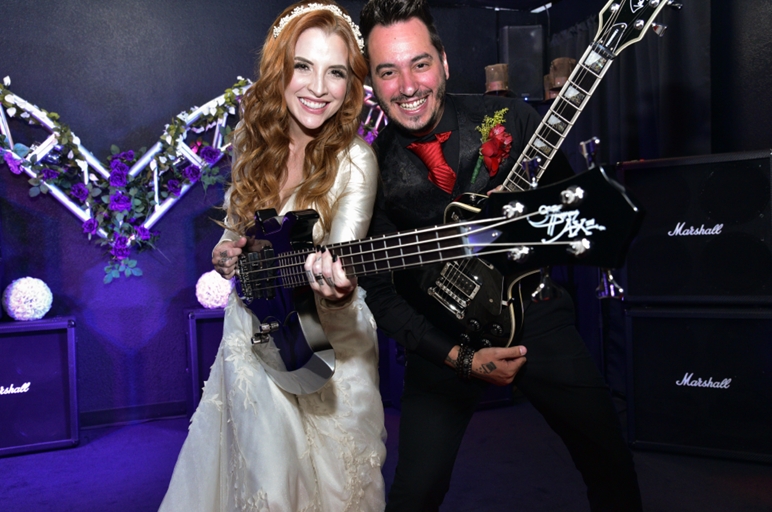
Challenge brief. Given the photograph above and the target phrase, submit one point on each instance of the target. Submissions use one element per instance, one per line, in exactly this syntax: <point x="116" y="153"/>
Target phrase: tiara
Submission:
<point x="302" y="9"/>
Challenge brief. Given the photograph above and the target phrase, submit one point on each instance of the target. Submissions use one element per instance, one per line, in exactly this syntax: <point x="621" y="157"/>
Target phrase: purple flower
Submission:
<point x="48" y="174"/>
<point x="120" y="202"/>
<point x="370" y="137"/>
<point x="79" y="191"/>
<point x="119" y="176"/>
<point x="174" y="187"/>
<point x="192" y="173"/>
<point x="90" y="226"/>
<point x="209" y="154"/>
<point x="120" y="248"/>
<point x="126" y="155"/>
<point x="13" y="163"/>
<point x="117" y="165"/>
<point x="143" y="233"/>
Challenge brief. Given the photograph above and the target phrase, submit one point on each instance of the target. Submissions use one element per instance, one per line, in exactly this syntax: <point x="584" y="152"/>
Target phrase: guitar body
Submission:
<point x="308" y="358"/>
<point x="486" y="296"/>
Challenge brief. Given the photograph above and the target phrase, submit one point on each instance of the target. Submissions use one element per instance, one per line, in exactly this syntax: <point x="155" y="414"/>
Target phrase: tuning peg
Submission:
<point x="659" y="28"/>
<point x="546" y="289"/>
<point x="608" y="287"/>
<point x="589" y="149"/>
<point x="674" y="4"/>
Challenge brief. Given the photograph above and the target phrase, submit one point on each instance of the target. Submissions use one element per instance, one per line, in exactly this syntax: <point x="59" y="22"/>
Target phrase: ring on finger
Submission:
<point x="319" y="278"/>
<point x="330" y="282"/>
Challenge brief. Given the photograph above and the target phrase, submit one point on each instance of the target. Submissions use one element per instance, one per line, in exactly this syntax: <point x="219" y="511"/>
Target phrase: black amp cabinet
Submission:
<point x="38" y="386"/>
<point x="707" y="234"/>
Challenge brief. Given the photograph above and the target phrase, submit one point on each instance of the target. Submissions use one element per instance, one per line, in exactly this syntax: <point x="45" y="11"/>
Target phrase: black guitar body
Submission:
<point x="486" y="296"/>
<point x="288" y="313"/>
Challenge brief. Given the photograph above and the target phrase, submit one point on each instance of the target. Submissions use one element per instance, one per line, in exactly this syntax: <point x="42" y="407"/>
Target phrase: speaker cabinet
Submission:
<point x="205" y="332"/>
<point x="522" y="49"/>
<point x="204" y="336"/>
<point x="700" y="381"/>
<point x="38" y="397"/>
<point x="707" y="233"/>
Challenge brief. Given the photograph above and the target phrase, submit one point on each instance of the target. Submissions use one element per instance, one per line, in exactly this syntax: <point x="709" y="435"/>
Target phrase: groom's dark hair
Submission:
<point x="388" y="12"/>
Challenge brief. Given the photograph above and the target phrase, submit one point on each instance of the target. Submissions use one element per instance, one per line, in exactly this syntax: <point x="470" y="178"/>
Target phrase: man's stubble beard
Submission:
<point x="427" y="126"/>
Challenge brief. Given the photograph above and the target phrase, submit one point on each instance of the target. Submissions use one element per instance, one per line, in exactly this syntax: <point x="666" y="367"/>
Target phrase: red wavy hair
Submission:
<point x="261" y="141"/>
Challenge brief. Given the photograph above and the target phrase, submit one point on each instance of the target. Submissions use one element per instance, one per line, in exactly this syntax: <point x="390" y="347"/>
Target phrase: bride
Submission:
<point x="251" y="445"/>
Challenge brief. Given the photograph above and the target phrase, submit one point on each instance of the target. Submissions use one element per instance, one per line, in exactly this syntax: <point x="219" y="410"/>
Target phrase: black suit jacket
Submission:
<point x="407" y="199"/>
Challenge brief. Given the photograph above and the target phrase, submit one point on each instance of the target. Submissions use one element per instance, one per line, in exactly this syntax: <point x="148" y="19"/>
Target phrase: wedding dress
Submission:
<point x="252" y="446"/>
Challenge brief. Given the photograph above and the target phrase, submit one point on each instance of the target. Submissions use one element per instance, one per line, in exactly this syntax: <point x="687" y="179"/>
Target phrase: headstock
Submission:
<point x="624" y="22"/>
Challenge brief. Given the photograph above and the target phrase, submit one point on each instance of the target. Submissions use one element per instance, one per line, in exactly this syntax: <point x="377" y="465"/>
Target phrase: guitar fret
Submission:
<point x="564" y="109"/>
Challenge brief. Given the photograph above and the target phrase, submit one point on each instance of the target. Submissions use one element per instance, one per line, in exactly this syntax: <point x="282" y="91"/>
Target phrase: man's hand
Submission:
<point x="226" y="255"/>
<point x="495" y="365"/>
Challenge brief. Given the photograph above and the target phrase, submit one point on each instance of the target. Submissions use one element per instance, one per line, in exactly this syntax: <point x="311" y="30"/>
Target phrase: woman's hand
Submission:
<point x="326" y="276"/>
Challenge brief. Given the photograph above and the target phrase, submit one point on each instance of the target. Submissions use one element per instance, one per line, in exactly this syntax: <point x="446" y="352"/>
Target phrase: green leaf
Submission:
<point x="122" y="268"/>
<point x="114" y="149"/>
<point x="20" y="149"/>
<point x="108" y="269"/>
<point x="34" y="192"/>
<point x="108" y="279"/>
<point x="95" y="191"/>
<point x="131" y="263"/>
<point x="115" y="273"/>
<point x="44" y="188"/>
<point x="127" y="272"/>
<point x="136" y="271"/>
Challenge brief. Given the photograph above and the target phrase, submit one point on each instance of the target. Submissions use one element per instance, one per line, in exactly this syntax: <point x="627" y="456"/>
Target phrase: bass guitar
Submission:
<point x="621" y="23"/>
<point x="587" y="219"/>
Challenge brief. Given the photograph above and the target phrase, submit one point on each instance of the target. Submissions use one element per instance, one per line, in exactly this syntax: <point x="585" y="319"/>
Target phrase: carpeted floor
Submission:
<point x="510" y="460"/>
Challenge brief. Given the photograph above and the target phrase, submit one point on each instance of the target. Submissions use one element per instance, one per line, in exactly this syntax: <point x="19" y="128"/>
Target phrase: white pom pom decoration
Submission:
<point x="27" y="298"/>
<point x="212" y="290"/>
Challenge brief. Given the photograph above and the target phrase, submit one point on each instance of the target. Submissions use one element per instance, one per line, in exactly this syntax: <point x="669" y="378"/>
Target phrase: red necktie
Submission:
<point x="430" y="153"/>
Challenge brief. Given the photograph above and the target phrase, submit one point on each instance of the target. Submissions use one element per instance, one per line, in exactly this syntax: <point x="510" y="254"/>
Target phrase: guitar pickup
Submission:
<point x="257" y="274"/>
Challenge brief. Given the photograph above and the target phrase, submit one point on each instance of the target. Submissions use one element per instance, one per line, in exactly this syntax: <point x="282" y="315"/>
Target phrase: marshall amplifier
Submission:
<point x="707" y="234"/>
<point x="700" y="381"/>
<point x="204" y="335"/>
<point x="38" y="398"/>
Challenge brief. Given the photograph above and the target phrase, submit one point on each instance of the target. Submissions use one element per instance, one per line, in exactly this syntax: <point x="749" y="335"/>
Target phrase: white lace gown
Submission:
<point x="252" y="446"/>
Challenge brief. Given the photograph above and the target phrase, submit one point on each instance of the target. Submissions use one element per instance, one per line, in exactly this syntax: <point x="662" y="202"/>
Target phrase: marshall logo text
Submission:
<point x="10" y="390"/>
<point x="681" y="230"/>
<point x="690" y="381"/>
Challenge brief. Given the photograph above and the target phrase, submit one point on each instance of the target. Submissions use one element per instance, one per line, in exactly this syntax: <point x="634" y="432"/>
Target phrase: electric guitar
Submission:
<point x="622" y="23"/>
<point x="587" y="219"/>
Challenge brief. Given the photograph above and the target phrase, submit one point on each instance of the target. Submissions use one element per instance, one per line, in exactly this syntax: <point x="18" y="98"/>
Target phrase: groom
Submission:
<point x="427" y="156"/>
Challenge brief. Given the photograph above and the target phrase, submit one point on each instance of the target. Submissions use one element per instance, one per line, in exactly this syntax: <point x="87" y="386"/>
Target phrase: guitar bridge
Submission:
<point x="454" y="289"/>
<point x="257" y="275"/>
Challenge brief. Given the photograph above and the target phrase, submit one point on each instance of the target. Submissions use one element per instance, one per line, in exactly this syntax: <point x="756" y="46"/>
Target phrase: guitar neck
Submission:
<point x="561" y="116"/>
<point x="386" y="253"/>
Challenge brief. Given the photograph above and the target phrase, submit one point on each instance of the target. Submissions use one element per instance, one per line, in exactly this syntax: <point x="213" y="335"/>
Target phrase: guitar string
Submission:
<point x="480" y="225"/>
<point x="581" y="73"/>
<point x="504" y="249"/>
<point x="297" y="270"/>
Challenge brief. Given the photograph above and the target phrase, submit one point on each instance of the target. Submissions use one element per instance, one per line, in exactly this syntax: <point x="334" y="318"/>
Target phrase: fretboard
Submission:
<point x="384" y="253"/>
<point x="561" y="116"/>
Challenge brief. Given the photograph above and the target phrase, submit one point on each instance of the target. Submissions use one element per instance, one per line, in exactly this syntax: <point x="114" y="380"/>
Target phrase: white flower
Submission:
<point x="11" y="111"/>
<point x="212" y="290"/>
<point x="10" y="99"/>
<point x="7" y="81"/>
<point x="76" y="140"/>
<point x="82" y="164"/>
<point x="70" y="155"/>
<point x="183" y="116"/>
<point x="24" y="115"/>
<point x="27" y="299"/>
<point x="168" y="139"/>
<point x="93" y="177"/>
<point x="162" y="159"/>
<point x="232" y="111"/>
